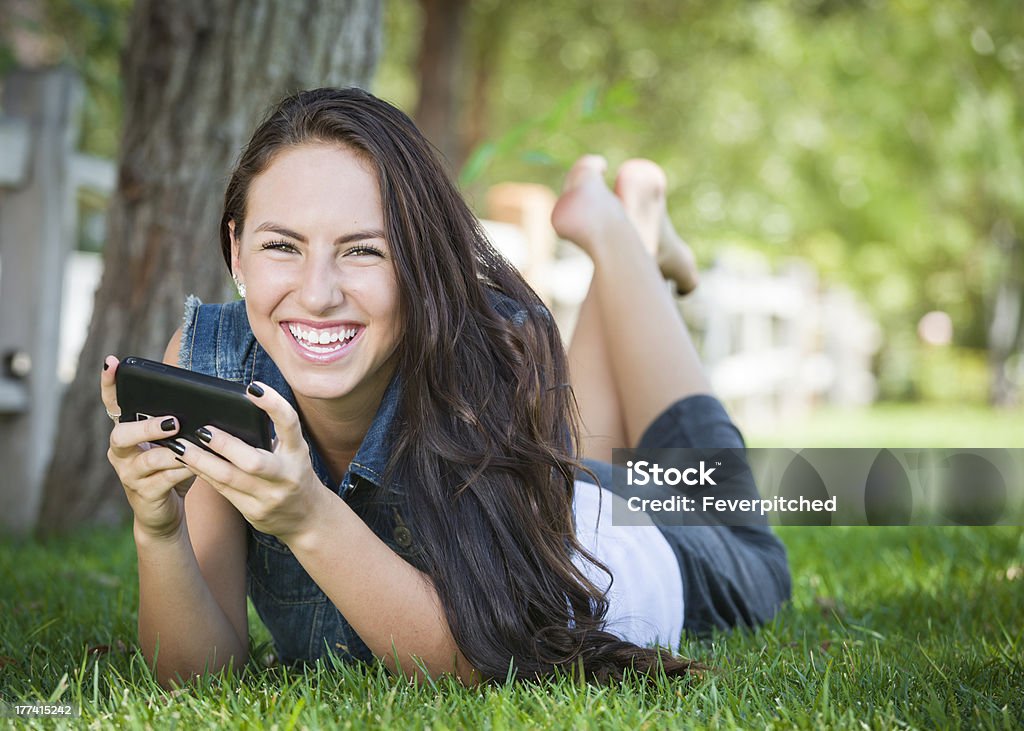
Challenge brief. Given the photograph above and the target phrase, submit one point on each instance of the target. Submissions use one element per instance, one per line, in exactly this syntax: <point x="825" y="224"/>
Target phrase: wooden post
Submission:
<point x="36" y="231"/>
<point x="529" y="207"/>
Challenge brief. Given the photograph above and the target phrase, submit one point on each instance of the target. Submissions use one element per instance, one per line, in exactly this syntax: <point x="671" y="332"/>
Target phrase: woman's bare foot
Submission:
<point x="587" y="211"/>
<point x="640" y="185"/>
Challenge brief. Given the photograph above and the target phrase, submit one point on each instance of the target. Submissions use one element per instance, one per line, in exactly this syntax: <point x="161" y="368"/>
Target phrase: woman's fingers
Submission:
<point x="221" y="475"/>
<point x="245" y="457"/>
<point x="128" y="435"/>
<point x="212" y="467"/>
<point x="286" y="421"/>
<point x="108" y="387"/>
<point x="150" y="474"/>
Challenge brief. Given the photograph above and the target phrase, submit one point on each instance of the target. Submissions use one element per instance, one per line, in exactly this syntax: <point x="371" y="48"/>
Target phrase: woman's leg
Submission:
<point x="593" y="383"/>
<point x="640" y="185"/>
<point x="631" y="318"/>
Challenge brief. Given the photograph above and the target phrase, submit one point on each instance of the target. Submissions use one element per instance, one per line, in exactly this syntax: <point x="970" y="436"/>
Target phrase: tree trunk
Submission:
<point x="439" y="66"/>
<point x="488" y="40"/>
<point x="198" y="76"/>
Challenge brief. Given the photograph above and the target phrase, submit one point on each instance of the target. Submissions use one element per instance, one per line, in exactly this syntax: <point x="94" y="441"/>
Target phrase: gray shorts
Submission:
<point x="732" y="575"/>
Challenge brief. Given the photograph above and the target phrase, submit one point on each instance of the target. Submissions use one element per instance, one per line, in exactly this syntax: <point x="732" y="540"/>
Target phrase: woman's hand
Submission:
<point x="277" y="492"/>
<point x="154" y="481"/>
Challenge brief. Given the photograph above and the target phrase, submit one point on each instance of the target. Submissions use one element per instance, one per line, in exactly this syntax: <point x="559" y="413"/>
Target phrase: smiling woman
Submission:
<point x="313" y="247"/>
<point x="425" y="503"/>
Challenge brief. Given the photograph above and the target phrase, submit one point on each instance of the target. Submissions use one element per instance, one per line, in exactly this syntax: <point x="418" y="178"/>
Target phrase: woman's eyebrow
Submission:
<point x="279" y="229"/>
<point x="372" y="233"/>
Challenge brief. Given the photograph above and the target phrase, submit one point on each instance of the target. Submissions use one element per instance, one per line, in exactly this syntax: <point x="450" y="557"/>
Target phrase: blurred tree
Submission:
<point x="457" y="56"/>
<point x="198" y="75"/>
<point x="439" y="66"/>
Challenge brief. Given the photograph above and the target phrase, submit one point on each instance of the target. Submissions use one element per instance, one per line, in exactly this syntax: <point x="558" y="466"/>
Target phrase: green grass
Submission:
<point x="897" y="425"/>
<point x="916" y="627"/>
<point x="888" y="627"/>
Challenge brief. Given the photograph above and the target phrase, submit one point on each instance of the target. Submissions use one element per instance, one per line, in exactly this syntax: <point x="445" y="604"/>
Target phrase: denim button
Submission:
<point x="403" y="536"/>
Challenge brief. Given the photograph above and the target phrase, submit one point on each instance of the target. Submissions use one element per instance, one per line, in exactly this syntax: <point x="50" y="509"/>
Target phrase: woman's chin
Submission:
<point x="320" y="389"/>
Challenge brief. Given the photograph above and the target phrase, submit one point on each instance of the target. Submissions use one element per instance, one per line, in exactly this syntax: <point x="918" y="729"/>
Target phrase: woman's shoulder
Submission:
<point x="214" y="337"/>
<point x="513" y="309"/>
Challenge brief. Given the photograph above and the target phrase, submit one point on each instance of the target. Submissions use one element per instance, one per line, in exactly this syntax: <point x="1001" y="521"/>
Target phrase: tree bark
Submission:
<point x="488" y="39"/>
<point x="198" y="76"/>
<point x="439" y="66"/>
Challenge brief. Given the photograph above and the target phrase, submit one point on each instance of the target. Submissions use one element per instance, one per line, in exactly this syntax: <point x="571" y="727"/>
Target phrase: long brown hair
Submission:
<point x="486" y="443"/>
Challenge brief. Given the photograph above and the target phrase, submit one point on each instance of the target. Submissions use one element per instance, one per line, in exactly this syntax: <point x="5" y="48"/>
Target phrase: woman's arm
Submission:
<point x="392" y="605"/>
<point x="192" y="610"/>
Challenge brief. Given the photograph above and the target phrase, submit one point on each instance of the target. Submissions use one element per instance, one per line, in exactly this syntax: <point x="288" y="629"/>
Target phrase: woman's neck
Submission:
<point x="337" y="429"/>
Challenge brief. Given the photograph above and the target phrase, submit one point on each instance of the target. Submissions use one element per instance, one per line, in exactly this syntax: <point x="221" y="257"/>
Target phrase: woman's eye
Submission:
<point x="278" y="246"/>
<point x="365" y="250"/>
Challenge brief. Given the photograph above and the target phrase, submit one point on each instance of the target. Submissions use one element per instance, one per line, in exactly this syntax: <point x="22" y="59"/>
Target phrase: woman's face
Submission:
<point x="321" y="291"/>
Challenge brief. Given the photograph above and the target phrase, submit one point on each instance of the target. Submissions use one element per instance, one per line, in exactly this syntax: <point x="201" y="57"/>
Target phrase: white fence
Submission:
<point x="42" y="300"/>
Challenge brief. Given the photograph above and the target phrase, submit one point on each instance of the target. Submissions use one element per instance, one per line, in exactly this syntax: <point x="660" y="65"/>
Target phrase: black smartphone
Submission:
<point x="147" y="388"/>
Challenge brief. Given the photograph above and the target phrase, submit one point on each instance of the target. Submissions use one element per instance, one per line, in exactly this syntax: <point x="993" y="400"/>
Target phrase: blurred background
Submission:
<point x="850" y="174"/>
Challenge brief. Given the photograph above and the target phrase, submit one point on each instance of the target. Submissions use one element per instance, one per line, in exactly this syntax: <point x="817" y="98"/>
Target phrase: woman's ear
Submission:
<point x="236" y="268"/>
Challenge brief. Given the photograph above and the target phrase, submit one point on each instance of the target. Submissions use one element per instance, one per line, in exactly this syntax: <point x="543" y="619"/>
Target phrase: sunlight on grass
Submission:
<point x="897" y="425"/>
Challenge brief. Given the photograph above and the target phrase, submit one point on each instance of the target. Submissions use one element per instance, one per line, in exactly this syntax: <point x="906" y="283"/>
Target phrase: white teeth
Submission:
<point x="322" y="337"/>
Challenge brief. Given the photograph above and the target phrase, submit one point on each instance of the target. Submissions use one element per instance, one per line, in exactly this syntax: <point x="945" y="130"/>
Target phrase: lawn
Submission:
<point x="888" y="627"/>
<point x="897" y="425"/>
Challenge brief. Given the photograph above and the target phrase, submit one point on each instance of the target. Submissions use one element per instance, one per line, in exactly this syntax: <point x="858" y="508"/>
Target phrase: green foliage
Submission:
<point x="92" y="32"/>
<point x="559" y="135"/>
<point x="881" y="140"/>
<point x="86" y="35"/>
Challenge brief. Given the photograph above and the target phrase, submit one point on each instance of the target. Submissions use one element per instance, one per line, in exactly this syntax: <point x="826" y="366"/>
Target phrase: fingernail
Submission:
<point x="204" y="435"/>
<point x="176" y="447"/>
<point x="255" y="390"/>
<point x="167" y="424"/>
<point x="180" y="460"/>
<point x="105" y="366"/>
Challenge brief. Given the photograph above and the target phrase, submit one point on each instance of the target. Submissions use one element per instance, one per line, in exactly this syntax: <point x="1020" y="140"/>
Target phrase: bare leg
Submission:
<point x="593" y="382"/>
<point x="650" y="356"/>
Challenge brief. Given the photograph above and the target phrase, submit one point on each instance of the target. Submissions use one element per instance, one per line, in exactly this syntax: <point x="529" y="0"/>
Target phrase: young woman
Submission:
<point x="423" y="503"/>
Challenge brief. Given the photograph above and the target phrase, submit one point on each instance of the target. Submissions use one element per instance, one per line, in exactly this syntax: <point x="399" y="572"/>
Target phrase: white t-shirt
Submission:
<point x="646" y="596"/>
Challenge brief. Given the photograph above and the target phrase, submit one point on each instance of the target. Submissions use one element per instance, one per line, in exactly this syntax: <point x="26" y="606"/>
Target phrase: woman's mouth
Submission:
<point x="322" y="344"/>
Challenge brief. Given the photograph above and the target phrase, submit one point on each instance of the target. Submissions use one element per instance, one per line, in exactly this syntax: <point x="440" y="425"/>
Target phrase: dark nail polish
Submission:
<point x="167" y="424"/>
<point x="180" y="460"/>
<point x="255" y="390"/>
<point x="176" y="447"/>
<point x="204" y="435"/>
<point x="105" y="366"/>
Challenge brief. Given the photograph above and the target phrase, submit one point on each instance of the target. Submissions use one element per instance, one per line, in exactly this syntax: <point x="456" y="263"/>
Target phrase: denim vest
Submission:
<point x="217" y="340"/>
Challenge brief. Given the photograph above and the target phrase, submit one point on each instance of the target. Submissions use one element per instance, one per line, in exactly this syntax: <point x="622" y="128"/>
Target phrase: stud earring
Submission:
<point x="240" y="287"/>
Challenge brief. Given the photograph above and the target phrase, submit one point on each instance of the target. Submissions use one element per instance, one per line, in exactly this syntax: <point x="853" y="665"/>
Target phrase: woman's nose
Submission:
<point x="321" y="287"/>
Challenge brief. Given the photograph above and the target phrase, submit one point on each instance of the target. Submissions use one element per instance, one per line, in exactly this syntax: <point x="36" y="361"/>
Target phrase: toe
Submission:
<point x="586" y="167"/>
<point x="639" y="177"/>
